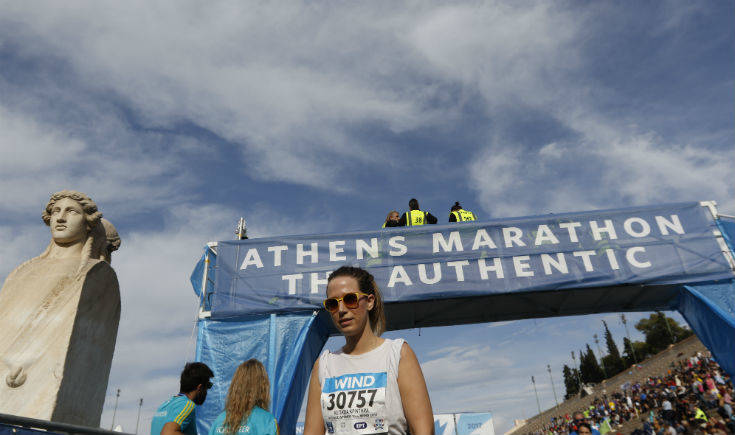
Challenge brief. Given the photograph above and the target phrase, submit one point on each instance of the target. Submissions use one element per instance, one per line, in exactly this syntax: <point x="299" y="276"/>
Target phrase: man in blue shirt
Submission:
<point x="177" y="416"/>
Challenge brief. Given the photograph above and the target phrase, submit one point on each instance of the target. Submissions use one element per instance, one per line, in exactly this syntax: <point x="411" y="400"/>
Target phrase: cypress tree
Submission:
<point x="596" y="374"/>
<point x="616" y="364"/>
<point x="570" y="382"/>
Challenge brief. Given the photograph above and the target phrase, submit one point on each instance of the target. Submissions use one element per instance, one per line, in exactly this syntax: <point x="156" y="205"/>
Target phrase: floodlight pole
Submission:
<point x="140" y="405"/>
<point x="548" y="368"/>
<point x="114" y="411"/>
<point x="632" y="348"/>
<point x="579" y="380"/>
<point x="599" y="352"/>
<point x="538" y="405"/>
<point x="668" y="327"/>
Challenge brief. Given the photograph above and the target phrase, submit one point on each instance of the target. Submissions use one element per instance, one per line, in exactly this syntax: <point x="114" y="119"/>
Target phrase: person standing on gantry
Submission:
<point x="458" y="214"/>
<point x="416" y="216"/>
<point x="371" y="385"/>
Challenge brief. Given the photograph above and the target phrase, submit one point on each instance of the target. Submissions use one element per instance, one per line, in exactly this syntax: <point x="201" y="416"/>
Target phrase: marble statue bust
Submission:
<point x="59" y="314"/>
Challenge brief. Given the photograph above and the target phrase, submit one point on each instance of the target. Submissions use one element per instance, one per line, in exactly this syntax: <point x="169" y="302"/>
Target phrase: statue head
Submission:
<point x="71" y="215"/>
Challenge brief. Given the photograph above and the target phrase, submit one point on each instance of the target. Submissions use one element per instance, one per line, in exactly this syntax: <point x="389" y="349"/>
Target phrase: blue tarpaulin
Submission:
<point x="261" y="295"/>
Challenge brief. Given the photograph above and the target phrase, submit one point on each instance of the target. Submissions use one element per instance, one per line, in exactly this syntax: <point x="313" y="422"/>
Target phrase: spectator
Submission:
<point x="663" y="408"/>
<point x="458" y="214"/>
<point x="579" y="420"/>
<point x="585" y="429"/>
<point x="246" y="408"/>
<point x="176" y="416"/>
<point x="415" y="216"/>
<point x="392" y="219"/>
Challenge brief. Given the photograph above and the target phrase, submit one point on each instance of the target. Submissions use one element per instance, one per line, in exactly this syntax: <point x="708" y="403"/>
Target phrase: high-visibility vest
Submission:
<point x="463" y="215"/>
<point x="415" y="217"/>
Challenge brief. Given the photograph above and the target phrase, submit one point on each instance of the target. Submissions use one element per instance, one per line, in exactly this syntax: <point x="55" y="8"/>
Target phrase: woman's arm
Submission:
<point x="414" y="395"/>
<point x="314" y="424"/>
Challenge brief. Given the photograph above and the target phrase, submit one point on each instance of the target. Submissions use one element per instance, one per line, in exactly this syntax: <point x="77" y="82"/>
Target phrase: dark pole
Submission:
<point x="579" y="380"/>
<point x="140" y="405"/>
<point x="548" y="368"/>
<point x="602" y="363"/>
<point x="668" y="327"/>
<point x="632" y="348"/>
<point x="538" y="405"/>
<point x="112" y="426"/>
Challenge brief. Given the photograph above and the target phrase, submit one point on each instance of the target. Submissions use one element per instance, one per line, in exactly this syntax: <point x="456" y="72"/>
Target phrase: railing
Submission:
<point x="50" y="426"/>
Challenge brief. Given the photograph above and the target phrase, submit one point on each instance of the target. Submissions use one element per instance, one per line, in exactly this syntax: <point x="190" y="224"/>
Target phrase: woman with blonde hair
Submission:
<point x="372" y="385"/>
<point x="246" y="408"/>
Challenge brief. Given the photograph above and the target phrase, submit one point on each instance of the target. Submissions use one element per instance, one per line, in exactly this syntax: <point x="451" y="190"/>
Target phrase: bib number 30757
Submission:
<point x="346" y="399"/>
<point x="354" y="403"/>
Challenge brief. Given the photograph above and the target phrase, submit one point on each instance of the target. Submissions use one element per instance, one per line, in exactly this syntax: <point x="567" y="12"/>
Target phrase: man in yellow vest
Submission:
<point x="458" y="214"/>
<point x="415" y="216"/>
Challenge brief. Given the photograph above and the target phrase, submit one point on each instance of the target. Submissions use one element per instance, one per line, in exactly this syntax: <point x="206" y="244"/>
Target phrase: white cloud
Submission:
<point x="609" y="166"/>
<point x="38" y="158"/>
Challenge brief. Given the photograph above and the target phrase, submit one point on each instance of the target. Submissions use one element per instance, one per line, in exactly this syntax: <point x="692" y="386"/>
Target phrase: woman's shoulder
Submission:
<point x="260" y="418"/>
<point x="219" y="420"/>
<point x="257" y="410"/>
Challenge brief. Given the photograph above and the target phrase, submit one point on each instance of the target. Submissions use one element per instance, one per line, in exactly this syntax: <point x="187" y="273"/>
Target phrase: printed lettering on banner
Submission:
<point x="355" y="402"/>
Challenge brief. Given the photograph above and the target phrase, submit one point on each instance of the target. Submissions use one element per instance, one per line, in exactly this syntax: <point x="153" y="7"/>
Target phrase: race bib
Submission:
<point x="355" y="403"/>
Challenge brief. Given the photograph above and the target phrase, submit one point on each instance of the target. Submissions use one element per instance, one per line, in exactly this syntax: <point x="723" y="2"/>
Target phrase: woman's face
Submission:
<point x="349" y="321"/>
<point x="68" y="223"/>
<point x="583" y="431"/>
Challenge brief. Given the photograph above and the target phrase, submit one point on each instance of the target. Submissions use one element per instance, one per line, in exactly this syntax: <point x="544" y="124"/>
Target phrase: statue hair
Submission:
<point x="96" y="245"/>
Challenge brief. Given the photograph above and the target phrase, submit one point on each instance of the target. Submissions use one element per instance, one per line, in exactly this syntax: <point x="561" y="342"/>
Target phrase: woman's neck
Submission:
<point x="66" y="250"/>
<point x="362" y="343"/>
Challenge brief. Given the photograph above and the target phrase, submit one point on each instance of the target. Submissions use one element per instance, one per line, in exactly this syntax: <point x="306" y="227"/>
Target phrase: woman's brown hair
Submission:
<point x="249" y="388"/>
<point x="366" y="284"/>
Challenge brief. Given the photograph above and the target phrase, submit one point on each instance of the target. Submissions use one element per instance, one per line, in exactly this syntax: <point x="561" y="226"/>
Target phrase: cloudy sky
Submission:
<point x="179" y="117"/>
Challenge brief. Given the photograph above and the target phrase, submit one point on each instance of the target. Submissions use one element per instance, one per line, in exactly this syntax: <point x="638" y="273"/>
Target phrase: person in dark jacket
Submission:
<point x="416" y="216"/>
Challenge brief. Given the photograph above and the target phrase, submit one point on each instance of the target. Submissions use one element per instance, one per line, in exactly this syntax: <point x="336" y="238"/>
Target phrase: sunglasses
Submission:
<point x="351" y="300"/>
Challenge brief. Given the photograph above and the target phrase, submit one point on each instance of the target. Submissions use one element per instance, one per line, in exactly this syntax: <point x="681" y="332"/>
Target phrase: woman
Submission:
<point x="371" y="385"/>
<point x="392" y="219"/>
<point x="247" y="403"/>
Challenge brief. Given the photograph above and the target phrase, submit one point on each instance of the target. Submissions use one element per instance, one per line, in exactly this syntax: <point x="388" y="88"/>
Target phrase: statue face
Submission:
<point x="68" y="223"/>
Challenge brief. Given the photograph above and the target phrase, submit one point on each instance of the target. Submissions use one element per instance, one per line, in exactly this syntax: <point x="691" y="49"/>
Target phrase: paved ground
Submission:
<point x="656" y="365"/>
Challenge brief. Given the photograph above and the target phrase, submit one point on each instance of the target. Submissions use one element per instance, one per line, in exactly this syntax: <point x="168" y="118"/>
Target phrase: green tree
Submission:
<point x="614" y="364"/>
<point x="589" y="368"/>
<point x="570" y="381"/>
<point x="635" y="352"/>
<point x="661" y="331"/>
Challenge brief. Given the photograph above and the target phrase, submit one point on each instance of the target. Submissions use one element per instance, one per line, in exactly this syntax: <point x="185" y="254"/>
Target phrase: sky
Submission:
<point x="178" y="117"/>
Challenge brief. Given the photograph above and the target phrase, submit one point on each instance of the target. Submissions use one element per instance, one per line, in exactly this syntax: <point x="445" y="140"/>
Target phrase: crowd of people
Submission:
<point x="694" y="397"/>
<point x="416" y="216"/>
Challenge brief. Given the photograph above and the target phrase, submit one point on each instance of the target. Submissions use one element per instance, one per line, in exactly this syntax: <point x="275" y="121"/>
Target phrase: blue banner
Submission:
<point x="653" y="245"/>
<point x="475" y="423"/>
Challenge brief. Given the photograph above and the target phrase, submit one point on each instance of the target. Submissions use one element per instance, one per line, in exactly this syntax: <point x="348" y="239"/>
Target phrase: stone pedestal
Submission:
<point x="57" y="337"/>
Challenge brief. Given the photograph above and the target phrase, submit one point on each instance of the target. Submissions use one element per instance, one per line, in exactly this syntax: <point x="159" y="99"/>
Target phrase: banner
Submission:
<point x="470" y="423"/>
<point x="475" y="423"/>
<point x="645" y="245"/>
<point x="444" y="424"/>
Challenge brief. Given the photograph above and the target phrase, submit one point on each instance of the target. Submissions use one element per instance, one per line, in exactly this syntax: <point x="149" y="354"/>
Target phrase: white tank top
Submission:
<point x="360" y="392"/>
